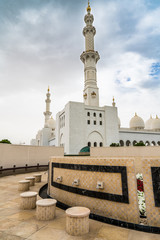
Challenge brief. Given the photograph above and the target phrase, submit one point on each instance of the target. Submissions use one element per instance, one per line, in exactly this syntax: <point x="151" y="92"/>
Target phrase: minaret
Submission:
<point x="47" y="113"/>
<point x="90" y="57"/>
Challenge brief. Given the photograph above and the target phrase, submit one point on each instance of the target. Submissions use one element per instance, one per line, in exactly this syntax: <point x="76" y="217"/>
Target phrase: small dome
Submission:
<point x="148" y="123"/>
<point x="51" y="123"/>
<point x="156" y="124"/>
<point x="136" y="122"/>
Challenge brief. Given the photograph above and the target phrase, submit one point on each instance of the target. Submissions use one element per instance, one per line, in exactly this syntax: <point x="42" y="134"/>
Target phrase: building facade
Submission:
<point x="88" y="124"/>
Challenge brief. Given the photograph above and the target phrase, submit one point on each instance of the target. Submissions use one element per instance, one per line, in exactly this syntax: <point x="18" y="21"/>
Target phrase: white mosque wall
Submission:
<point x="79" y="125"/>
<point x="20" y="155"/>
<point x="111" y="121"/>
<point x="129" y="137"/>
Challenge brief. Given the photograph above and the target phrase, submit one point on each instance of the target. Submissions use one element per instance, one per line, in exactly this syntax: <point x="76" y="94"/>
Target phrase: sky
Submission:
<point x="40" y="45"/>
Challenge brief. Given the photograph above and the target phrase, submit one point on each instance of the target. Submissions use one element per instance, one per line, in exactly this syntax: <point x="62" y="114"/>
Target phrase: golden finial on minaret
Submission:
<point x="88" y="8"/>
<point x="48" y="89"/>
<point x="113" y="103"/>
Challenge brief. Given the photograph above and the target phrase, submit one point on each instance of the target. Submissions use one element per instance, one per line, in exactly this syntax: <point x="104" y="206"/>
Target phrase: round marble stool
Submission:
<point x="23" y="185"/>
<point x="31" y="179"/>
<point x="37" y="177"/>
<point x="45" y="209"/>
<point x="77" y="221"/>
<point x="28" y="200"/>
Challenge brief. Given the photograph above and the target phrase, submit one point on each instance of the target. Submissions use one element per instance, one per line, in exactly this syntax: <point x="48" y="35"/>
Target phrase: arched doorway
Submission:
<point x="121" y="142"/>
<point x="128" y="143"/>
<point x="96" y="139"/>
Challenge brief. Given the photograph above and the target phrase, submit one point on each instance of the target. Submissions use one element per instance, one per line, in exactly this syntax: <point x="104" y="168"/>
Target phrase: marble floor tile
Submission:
<point x="23" y="229"/>
<point x="17" y="224"/>
<point x="135" y="235"/>
<point x="113" y="233"/>
<point x="6" y="224"/>
<point x="4" y="236"/>
<point x="23" y="215"/>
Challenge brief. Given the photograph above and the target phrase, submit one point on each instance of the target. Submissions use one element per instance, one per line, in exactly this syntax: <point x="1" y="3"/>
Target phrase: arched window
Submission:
<point x="94" y="114"/>
<point x="100" y="115"/>
<point x="101" y="144"/>
<point x="89" y="144"/>
<point x="153" y="143"/>
<point x="95" y="144"/>
<point x="128" y="143"/>
<point x="134" y="142"/>
<point x="121" y="142"/>
<point x="100" y="122"/>
<point x="147" y="143"/>
<point x="88" y="121"/>
<point x="94" y="122"/>
<point x="158" y="143"/>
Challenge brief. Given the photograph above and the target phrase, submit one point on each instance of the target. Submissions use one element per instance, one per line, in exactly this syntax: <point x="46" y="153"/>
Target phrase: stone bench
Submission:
<point x="77" y="221"/>
<point x="37" y="177"/>
<point x="23" y="185"/>
<point x="45" y="209"/>
<point x="31" y="179"/>
<point x="28" y="200"/>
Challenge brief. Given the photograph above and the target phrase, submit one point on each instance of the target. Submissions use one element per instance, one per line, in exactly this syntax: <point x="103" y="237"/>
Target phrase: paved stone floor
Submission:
<point x="16" y="224"/>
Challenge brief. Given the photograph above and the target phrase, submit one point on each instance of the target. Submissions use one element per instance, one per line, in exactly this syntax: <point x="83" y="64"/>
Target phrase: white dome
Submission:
<point x="156" y="123"/>
<point x="51" y="123"/>
<point x="148" y="123"/>
<point x="136" y="122"/>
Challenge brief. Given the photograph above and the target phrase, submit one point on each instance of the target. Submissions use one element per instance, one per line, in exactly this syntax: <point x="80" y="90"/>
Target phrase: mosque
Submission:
<point x="88" y="124"/>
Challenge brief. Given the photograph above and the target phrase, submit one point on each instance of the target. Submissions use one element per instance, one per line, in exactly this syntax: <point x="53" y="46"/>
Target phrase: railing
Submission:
<point x="23" y="169"/>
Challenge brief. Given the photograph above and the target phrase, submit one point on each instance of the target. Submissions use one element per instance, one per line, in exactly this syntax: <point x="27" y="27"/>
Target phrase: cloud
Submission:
<point x="40" y="45"/>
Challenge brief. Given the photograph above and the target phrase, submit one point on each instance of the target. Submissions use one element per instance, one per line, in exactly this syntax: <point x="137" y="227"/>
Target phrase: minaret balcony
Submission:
<point x="47" y="113"/>
<point x="89" y="19"/>
<point x="89" y="54"/>
<point x="89" y="29"/>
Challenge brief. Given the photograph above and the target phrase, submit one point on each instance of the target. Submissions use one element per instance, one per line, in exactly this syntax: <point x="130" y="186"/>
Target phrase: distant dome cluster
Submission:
<point x="137" y="123"/>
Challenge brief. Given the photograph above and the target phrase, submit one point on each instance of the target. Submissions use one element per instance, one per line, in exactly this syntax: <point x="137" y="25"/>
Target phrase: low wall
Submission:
<point x="118" y="197"/>
<point x="125" y="151"/>
<point x="20" y="155"/>
<point x="138" y="153"/>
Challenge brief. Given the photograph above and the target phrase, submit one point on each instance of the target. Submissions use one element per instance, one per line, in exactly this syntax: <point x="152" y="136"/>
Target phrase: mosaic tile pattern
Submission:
<point x="44" y="213"/>
<point x="150" y="172"/>
<point x="23" y="186"/>
<point x="90" y="175"/>
<point x="77" y="226"/>
<point x="99" y="206"/>
<point x="156" y="184"/>
<point x="37" y="178"/>
<point x="28" y="202"/>
<point x="32" y="180"/>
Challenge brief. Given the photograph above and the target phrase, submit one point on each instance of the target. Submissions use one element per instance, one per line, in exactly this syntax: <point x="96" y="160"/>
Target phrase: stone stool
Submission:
<point x="32" y="180"/>
<point x="45" y="209"/>
<point x="77" y="221"/>
<point x="37" y="177"/>
<point x="23" y="185"/>
<point x="28" y="200"/>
